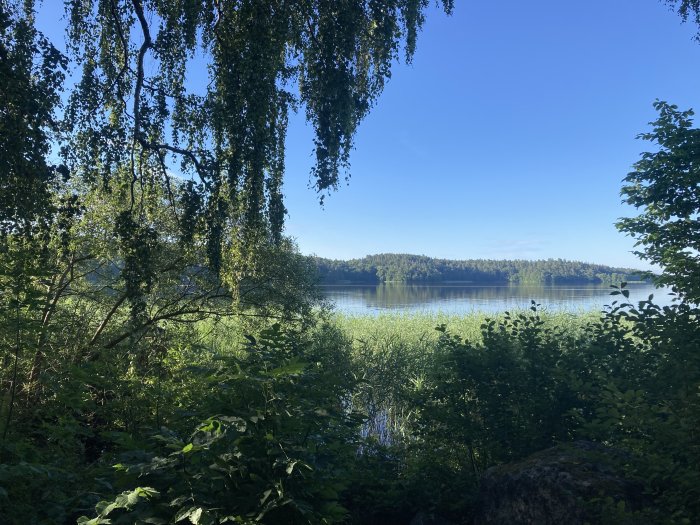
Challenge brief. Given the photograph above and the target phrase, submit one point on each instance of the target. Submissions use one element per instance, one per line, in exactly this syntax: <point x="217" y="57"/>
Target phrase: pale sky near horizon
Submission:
<point x="507" y="137"/>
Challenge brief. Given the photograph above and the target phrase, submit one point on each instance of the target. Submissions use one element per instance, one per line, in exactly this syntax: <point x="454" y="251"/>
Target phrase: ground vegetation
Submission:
<point x="164" y="357"/>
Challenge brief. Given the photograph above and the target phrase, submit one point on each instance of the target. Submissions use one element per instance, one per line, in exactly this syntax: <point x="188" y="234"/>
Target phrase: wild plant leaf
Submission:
<point x="294" y="367"/>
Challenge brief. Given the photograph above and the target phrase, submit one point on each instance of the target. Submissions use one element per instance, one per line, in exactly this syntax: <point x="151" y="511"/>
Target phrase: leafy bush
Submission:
<point x="276" y="448"/>
<point x="630" y="381"/>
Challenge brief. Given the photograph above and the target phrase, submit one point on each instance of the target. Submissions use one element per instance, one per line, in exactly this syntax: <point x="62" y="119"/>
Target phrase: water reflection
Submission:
<point x="457" y="299"/>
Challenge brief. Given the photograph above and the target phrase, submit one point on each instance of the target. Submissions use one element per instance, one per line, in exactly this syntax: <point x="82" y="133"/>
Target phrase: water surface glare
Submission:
<point x="464" y="299"/>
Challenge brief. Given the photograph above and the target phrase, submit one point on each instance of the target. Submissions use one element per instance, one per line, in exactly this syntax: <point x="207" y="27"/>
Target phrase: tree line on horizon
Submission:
<point x="165" y="357"/>
<point x="392" y="267"/>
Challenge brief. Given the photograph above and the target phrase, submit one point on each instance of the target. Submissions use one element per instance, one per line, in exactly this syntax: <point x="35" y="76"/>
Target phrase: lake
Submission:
<point x="463" y="299"/>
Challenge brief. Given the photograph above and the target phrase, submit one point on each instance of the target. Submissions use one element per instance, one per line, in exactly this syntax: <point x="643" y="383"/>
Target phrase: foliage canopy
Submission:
<point x="665" y="185"/>
<point x="114" y="345"/>
<point x="138" y="105"/>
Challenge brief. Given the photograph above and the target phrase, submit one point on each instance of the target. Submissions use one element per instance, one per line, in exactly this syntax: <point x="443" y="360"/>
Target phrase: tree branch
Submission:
<point x="140" y="74"/>
<point x="104" y="322"/>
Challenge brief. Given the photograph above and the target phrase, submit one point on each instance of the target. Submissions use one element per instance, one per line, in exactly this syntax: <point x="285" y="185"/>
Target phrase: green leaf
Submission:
<point x="192" y="513"/>
<point x="84" y="520"/>
<point x="265" y="495"/>
<point x="292" y="368"/>
<point x="196" y="515"/>
<point x="290" y="467"/>
<point x="178" y="501"/>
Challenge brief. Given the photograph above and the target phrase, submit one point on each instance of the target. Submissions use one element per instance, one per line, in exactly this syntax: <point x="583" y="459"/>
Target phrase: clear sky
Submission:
<point x="507" y="137"/>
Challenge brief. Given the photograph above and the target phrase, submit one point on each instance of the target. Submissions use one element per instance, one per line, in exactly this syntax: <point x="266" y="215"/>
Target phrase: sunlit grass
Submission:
<point x="415" y="332"/>
<point x="420" y="329"/>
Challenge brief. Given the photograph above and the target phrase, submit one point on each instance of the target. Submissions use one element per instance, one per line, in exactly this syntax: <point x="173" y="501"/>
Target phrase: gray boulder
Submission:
<point x="566" y="484"/>
<point x="425" y="518"/>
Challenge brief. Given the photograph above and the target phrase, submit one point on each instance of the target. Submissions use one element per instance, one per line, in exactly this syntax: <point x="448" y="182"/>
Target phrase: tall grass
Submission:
<point x="420" y="329"/>
<point x="392" y="355"/>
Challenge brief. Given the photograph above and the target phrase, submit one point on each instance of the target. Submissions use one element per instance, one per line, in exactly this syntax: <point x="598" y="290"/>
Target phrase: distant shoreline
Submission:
<point x="420" y="269"/>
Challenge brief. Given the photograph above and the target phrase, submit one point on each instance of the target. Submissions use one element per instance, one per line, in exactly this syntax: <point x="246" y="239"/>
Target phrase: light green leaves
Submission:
<point x="192" y="514"/>
<point x="125" y="501"/>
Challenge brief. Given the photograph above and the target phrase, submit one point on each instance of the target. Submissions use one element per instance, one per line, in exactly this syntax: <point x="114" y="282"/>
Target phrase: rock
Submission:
<point x="559" y="485"/>
<point x="424" y="518"/>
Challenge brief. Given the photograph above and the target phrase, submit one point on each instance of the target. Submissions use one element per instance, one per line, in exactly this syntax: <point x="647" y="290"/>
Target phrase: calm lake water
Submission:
<point x="462" y="299"/>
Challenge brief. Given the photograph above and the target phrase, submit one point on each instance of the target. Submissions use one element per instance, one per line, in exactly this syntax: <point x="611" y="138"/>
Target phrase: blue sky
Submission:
<point x="507" y="137"/>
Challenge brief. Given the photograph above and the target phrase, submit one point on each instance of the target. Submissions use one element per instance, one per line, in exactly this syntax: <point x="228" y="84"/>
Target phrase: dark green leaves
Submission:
<point x="31" y="73"/>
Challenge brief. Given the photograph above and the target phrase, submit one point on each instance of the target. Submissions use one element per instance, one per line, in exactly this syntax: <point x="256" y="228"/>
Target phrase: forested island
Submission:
<point x="166" y="357"/>
<point x="399" y="267"/>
